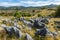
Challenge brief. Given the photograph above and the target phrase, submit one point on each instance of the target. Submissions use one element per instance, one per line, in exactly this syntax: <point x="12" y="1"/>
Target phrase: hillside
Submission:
<point x="23" y="7"/>
<point x="29" y="23"/>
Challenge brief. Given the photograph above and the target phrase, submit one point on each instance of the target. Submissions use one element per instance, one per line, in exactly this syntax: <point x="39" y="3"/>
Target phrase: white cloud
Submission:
<point x="38" y="3"/>
<point x="30" y="3"/>
<point x="9" y="4"/>
<point x="57" y="3"/>
<point x="56" y="0"/>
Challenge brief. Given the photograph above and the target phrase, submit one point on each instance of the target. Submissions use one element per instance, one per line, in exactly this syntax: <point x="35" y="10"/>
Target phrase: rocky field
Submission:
<point x="39" y="28"/>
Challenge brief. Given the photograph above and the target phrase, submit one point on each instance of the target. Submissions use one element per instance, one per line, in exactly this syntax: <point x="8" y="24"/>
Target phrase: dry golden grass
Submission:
<point x="52" y="29"/>
<point x="26" y="30"/>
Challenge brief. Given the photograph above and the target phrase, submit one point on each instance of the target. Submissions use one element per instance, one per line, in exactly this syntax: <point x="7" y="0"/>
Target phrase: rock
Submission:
<point x="28" y="37"/>
<point x="59" y="32"/>
<point x="58" y="26"/>
<point x="57" y="22"/>
<point x="17" y="19"/>
<point x="23" y="26"/>
<point x="31" y="20"/>
<point x="28" y="23"/>
<point x="41" y="32"/>
<point x="8" y="21"/>
<point x="37" y="29"/>
<point x="9" y="31"/>
<point x="38" y="24"/>
<point x="17" y="32"/>
<point x="20" y="34"/>
<point x="21" y="19"/>
<point x="29" y="28"/>
<point x="49" y="33"/>
<point x="15" y="24"/>
<point x="44" y="32"/>
<point x="13" y="31"/>
<point x="54" y="33"/>
<point x="3" y="25"/>
<point x="45" y="20"/>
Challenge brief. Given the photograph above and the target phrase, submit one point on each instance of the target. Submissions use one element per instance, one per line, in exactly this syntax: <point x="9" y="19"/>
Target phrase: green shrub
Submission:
<point x="39" y="15"/>
<point x="17" y="14"/>
<point x="57" y="13"/>
<point x="21" y="14"/>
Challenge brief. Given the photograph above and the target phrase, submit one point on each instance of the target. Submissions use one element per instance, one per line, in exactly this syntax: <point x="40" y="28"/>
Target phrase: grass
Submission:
<point x="26" y="30"/>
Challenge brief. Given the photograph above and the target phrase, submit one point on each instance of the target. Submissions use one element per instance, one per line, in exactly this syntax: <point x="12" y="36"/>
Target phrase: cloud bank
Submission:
<point x="28" y="2"/>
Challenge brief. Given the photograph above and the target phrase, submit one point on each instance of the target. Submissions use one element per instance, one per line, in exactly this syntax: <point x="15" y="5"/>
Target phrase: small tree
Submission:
<point x="57" y="13"/>
<point x="39" y="15"/>
<point x="17" y="14"/>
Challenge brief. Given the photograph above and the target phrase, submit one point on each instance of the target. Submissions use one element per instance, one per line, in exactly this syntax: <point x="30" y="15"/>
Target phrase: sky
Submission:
<point x="28" y="2"/>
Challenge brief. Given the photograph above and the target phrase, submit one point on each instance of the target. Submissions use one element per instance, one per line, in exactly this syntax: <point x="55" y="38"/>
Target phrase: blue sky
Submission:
<point x="28" y="2"/>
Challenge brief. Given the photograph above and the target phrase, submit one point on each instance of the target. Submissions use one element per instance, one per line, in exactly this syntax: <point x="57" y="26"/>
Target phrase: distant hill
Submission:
<point x="51" y="6"/>
<point x="22" y="7"/>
